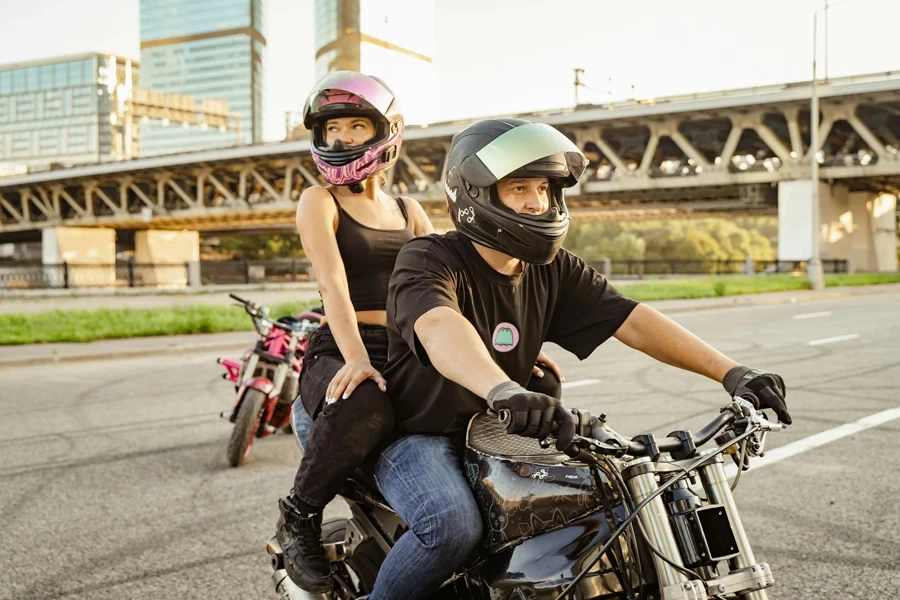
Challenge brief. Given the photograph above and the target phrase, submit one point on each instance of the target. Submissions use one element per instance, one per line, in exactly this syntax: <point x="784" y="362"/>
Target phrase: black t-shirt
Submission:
<point x="565" y="302"/>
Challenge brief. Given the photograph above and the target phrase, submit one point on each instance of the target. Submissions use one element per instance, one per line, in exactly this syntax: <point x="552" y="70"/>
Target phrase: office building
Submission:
<point x="208" y="50"/>
<point x="391" y="39"/>
<point x="65" y="111"/>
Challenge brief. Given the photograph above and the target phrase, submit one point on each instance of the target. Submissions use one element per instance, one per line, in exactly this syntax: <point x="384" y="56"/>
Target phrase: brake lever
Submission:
<point x="591" y="445"/>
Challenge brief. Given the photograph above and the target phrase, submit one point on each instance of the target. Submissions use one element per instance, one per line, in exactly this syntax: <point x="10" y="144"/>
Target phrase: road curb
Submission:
<point x="108" y="355"/>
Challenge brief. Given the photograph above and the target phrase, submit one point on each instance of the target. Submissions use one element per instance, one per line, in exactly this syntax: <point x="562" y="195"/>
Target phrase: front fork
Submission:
<point x="745" y="575"/>
<point x="718" y="490"/>
<point x="249" y="369"/>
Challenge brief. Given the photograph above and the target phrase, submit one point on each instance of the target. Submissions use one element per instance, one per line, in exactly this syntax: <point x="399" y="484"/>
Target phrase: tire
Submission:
<point x="245" y="427"/>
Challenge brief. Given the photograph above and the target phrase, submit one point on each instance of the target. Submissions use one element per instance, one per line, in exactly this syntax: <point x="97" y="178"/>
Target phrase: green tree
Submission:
<point x="261" y="247"/>
<point x="684" y="239"/>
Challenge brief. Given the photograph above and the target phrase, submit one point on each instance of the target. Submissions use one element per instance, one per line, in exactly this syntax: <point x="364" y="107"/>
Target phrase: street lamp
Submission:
<point x="814" y="267"/>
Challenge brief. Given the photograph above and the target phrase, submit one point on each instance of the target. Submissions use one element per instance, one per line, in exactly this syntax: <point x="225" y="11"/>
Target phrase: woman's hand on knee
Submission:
<point x="546" y="361"/>
<point x="352" y="374"/>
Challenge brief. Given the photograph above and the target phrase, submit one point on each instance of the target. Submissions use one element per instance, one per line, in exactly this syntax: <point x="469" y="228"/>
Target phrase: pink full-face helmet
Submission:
<point x="350" y="94"/>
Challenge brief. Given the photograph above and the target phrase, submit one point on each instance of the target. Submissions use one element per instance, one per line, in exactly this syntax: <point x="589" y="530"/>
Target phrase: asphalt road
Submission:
<point x="113" y="481"/>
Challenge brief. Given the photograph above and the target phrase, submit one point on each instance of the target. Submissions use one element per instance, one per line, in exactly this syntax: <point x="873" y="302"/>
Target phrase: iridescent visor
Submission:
<point x="356" y="84"/>
<point x="521" y="146"/>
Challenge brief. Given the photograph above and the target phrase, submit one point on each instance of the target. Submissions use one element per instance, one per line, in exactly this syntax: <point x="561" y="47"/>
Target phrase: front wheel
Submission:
<point x="245" y="426"/>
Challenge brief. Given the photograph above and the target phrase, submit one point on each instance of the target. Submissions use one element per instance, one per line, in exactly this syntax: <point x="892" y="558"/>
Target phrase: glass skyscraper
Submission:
<point x="64" y="111"/>
<point x="208" y="49"/>
<point x="391" y="39"/>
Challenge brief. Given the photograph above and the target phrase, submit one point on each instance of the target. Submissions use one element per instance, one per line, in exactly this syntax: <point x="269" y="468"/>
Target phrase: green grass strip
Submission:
<point x="90" y="325"/>
<point x="737" y="285"/>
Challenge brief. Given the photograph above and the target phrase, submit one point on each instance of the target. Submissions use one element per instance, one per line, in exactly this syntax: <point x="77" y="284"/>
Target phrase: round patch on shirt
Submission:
<point x="505" y="338"/>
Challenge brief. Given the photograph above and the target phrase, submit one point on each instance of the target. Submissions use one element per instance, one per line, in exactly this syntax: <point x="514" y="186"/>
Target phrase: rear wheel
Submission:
<point x="352" y="582"/>
<point x="245" y="427"/>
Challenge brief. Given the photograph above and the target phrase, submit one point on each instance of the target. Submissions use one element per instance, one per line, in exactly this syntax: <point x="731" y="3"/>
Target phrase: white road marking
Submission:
<point x="814" y="315"/>
<point x="831" y="340"/>
<point x="819" y="439"/>
<point x="579" y="383"/>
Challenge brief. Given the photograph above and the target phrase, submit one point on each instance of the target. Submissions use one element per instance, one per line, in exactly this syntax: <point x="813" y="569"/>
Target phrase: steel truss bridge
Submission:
<point x="709" y="152"/>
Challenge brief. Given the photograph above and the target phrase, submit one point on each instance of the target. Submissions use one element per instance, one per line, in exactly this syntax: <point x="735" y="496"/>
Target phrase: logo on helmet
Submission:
<point x="468" y="213"/>
<point x="451" y="191"/>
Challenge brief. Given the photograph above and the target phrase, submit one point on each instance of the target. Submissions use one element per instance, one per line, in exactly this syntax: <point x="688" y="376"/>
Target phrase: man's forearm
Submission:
<point x="457" y="352"/>
<point x="665" y="340"/>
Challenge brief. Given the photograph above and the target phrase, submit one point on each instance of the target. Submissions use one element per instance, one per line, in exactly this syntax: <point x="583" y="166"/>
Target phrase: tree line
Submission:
<point x="673" y="239"/>
<point x="683" y="239"/>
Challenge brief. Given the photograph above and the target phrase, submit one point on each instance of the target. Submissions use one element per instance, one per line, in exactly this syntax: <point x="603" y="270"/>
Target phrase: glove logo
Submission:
<point x="505" y="338"/>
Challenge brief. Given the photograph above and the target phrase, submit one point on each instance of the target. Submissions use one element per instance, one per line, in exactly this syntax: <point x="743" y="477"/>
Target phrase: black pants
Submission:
<point x="346" y="432"/>
<point x="343" y="433"/>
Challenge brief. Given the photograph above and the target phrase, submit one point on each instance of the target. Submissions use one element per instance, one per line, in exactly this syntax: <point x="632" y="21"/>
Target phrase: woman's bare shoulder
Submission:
<point x="316" y="194"/>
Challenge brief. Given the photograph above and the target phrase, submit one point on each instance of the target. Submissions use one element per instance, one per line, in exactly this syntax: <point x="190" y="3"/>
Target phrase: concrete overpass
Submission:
<point x="731" y="150"/>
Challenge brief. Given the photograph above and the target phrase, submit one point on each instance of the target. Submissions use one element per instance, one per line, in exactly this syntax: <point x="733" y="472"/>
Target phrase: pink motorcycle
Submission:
<point x="267" y="380"/>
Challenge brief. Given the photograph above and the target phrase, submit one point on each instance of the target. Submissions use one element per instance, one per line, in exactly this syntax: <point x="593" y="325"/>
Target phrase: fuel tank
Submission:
<point x="545" y="517"/>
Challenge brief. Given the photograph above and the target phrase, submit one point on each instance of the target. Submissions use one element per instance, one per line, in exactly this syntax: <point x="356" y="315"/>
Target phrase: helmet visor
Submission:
<point x="525" y="144"/>
<point x="348" y="87"/>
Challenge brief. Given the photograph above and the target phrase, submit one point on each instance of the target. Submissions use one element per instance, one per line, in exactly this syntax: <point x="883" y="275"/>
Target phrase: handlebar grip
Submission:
<point x="504" y="416"/>
<point x="238" y="298"/>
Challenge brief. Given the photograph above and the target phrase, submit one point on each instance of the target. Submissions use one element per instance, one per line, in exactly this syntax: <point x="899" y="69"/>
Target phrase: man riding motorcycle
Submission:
<point x="468" y="312"/>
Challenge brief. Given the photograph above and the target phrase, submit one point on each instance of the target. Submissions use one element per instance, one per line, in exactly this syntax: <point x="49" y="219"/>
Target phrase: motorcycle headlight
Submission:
<point x="265" y="326"/>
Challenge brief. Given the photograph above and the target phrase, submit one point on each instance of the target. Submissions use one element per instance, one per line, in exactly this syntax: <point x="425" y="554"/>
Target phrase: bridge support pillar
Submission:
<point x="858" y="226"/>
<point x="79" y="248"/>
<point x="874" y="244"/>
<point x="169" y="252"/>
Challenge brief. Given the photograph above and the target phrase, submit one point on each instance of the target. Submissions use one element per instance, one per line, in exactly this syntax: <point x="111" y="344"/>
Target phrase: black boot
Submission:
<point x="300" y="536"/>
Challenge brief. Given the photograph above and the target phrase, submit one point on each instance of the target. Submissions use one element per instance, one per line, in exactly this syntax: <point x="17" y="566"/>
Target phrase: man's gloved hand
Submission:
<point x="532" y="414"/>
<point x="767" y="389"/>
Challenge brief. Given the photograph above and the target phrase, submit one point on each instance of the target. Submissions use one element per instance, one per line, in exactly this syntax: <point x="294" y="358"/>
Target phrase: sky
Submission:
<point x="506" y="56"/>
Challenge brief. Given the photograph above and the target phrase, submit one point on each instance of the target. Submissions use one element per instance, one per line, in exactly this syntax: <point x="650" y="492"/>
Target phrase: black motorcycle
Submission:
<point x="612" y="518"/>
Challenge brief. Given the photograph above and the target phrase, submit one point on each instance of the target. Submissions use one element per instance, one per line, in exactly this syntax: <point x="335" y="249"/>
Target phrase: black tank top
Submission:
<point x="369" y="255"/>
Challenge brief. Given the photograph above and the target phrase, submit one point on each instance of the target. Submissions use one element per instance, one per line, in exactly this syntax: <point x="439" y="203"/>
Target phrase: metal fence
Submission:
<point x="132" y="274"/>
<point x="254" y="271"/>
<point x="640" y="268"/>
<point x="117" y="275"/>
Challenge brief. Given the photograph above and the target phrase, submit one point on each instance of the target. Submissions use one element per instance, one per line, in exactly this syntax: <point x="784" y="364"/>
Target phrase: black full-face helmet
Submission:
<point x="486" y="152"/>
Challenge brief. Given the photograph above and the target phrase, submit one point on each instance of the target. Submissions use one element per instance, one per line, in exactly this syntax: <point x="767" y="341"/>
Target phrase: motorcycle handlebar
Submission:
<point x="635" y="448"/>
<point x="670" y="444"/>
<point x="257" y="313"/>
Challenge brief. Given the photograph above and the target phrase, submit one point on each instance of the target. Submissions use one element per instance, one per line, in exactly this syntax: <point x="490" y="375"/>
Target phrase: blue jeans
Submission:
<point x="421" y="477"/>
<point x="301" y="421"/>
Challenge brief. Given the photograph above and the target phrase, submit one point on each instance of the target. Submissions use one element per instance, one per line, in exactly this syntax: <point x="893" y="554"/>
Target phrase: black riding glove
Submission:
<point x="767" y="390"/>
<point x="532" y="414"/>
